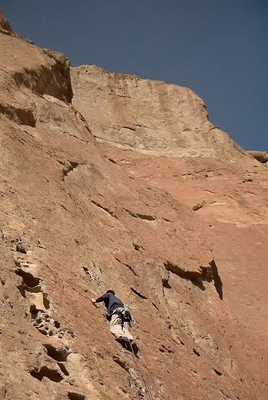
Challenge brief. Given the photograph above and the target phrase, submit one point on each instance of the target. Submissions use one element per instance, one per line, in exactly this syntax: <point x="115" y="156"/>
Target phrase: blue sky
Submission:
<point x="218" y="48"/>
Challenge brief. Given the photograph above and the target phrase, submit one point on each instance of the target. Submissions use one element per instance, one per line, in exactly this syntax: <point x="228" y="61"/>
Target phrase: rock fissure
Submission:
<point x="76" y="396"/>
<point x="63" y="368"/>
<point x="141" y="216"/>
<point x="142" y="296"/>
<point x="52" y="374"/>
<point x="196" y="277"/>
<point x="106" y="209"/>
<point x="57" y="353"/>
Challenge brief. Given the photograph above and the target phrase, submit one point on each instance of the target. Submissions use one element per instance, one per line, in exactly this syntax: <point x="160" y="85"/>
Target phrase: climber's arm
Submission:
<point x="100" y="299"/>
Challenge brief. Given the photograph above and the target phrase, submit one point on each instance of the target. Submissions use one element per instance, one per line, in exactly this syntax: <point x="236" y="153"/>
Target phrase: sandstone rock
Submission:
<point x="5" y="25"/>
<point x="261" y="156"/>
<point x="125" y="216"/>
<point x="152" y="117"/>
<point x="215" y="178"/>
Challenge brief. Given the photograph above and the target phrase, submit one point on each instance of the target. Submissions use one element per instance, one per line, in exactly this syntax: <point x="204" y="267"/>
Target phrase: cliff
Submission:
<point x="128" y="187"/>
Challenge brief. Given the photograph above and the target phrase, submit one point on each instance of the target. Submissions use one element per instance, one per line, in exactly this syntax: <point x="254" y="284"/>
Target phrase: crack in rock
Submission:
<point x="21" y="248"/>
<point x="63" y="369"/>
<point x="104" y="208"/>
<point x="112" y="160"/>
<point x="196" y="277"/>
<point x="128" y="127"/>
<point x="138" y="294"/>
<point x="57" y="353"/>
<point x="138" y="247"/>
<point x="198" y="206"/>
<point x="196" y="352"/>
<point x="141" y="216"/>
<point x="217" y="372"/>
<point x="52" y="374"/>
<point x="76" y="396"/>
<point x="28" y="279"/>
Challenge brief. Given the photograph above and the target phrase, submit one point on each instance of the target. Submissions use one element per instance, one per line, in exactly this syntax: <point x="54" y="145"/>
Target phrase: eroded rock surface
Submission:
<point x="261" y="156"/>
<point x="152" y="117"/>
<point x="79" y="217"/>
<point x="5" y="25"/>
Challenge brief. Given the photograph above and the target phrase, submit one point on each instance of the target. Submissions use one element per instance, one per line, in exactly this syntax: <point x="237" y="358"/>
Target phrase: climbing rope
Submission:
<point x="147" y="389"/>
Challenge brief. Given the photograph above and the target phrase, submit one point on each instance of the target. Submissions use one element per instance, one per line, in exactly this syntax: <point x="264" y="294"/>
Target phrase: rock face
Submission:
<point x="261" y="156"/>
<point x="5" y="25"/>
<point x="80" y="216"/>
<point x="152" y="117"/>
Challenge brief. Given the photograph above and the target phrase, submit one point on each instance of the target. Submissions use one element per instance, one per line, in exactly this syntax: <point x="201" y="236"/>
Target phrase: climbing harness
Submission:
<point x="147" y="389"/>
<point x="124" y="313"/>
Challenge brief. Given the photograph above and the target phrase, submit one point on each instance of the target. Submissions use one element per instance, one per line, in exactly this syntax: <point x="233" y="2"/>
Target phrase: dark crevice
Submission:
<point x="196" y="353"/>
<point x="147" y="217"/>
<point x="217" y="279"/>
<point x="59" y="354"/>
<point x="131" y="213"/>
<point x="20" y="247"/>
<point x="56" y="324"/>
<point x="104" y="208"/>
<point x="63" y="369"/>
<point x="138" y="294"/>
<point x="141" y="216"/>
<point x="76" y="396"/>
<point x="137" y="247"/>
<point x="166" y="219"/>
<point x="217" y="371"/>
<point x="22" y="288"/>
<point x="164" y="349"/>
<point x="165" y="283"/>
<point x="51" y="374"/>
<point x="196" y="277"/>
<point x="29" y="283"/>
<point x="33" y="311"/>
<point x="198" y="206"/>
<point x="128" y="127"/>
<point x="28" y="279"/>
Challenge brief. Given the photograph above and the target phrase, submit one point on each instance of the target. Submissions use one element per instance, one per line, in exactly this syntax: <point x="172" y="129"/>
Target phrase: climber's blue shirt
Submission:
<point x="111" y="302"/>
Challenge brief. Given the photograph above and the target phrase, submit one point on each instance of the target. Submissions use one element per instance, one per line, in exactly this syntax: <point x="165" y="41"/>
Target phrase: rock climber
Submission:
<point x="120" y="318"/>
